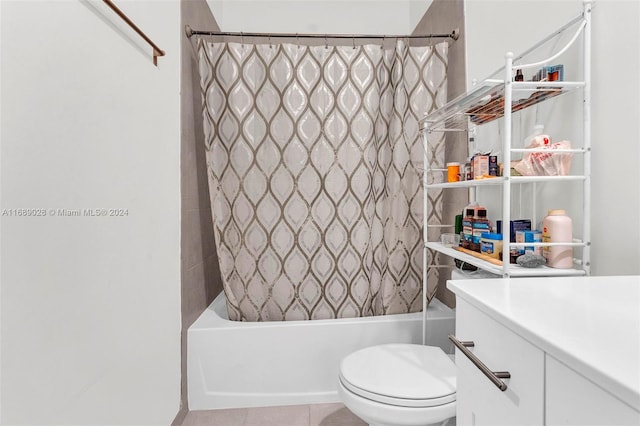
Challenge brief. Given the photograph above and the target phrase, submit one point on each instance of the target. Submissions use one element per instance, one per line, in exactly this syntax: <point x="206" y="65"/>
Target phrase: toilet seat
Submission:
<point x="403" y="375"/>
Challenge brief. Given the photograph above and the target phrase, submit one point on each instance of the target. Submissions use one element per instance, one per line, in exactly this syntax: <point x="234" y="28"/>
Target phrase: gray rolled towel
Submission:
<point x="530" y="260"/>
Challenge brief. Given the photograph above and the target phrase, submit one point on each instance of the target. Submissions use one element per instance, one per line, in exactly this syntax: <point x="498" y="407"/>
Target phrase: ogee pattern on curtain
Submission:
<point x="315" y="174"/>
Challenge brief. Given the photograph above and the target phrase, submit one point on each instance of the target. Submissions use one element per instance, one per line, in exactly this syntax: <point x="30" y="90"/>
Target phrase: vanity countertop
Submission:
<point x="591" y="324"/>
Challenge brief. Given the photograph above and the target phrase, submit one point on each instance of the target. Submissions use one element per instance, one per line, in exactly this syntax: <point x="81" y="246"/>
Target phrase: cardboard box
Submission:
<point x="480" y="166"/>
<point x="530" y="237"/>
<point x="516" y="225"/>
<point x="516" y="235"/>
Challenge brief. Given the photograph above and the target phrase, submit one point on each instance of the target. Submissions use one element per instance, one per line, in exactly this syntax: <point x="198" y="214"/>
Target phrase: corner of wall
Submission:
<point x="443" y="16"/>
<point x="200" y="275"/>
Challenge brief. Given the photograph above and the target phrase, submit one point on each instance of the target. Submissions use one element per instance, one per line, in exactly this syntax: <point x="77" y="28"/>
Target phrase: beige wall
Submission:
<point x="200" y="275"/>
<point x="442" y="17"/>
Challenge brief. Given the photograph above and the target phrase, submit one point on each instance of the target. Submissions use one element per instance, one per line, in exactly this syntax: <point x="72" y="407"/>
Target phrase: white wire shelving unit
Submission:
<point x="499" y="98"/>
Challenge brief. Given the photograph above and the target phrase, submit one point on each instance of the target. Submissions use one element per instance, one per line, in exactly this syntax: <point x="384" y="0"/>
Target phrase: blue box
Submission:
<point x="533" y="237"/>
<point x="516" y="225"/>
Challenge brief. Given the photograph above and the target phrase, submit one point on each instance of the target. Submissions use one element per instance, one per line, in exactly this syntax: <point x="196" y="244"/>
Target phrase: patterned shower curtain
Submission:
<point x="315" y="164"/>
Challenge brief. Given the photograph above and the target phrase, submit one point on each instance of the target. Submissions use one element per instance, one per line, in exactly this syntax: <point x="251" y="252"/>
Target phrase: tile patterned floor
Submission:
<point x="292" y="415"/>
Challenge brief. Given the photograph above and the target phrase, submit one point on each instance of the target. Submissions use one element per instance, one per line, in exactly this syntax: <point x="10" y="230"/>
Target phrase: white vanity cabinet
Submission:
<point x="480" y="402"/>
<point x="572" y="399"/>
<point x="571" y="354"/>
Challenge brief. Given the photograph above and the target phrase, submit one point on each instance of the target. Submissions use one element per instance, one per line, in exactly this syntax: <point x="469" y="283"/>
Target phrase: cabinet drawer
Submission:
<point x="480" y="402"/>
<point x="573" y="399"/>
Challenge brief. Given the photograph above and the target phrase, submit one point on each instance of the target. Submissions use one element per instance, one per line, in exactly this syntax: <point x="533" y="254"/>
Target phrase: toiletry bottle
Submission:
<point x="467" y="228"/>
<point x="453" y="172"/>
<point x="458" y="227"/>
<point x="519" y="76"/>
<point x="557" y="228"/>
<point x="480" y="225"/>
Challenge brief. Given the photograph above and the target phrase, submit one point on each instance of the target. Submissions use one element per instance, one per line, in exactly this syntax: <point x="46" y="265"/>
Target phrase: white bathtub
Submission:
<point x="239" y="364"/>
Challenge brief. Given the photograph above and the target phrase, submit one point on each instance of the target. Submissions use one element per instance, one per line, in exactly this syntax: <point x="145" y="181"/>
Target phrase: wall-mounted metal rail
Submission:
<point x="156" y="50"/>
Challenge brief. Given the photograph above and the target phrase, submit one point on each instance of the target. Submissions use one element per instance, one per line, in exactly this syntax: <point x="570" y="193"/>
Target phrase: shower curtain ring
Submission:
<point x="297" y="40"/>
<point x="382" y="44"/>
<point x="270" y="45"/>
<point x="242" y="38"/>
<point x="326" y="43"/>
<point x="354" y="41"/>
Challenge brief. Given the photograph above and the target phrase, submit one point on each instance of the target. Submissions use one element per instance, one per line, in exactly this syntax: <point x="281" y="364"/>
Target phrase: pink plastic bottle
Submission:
<point x="557" y="228"/>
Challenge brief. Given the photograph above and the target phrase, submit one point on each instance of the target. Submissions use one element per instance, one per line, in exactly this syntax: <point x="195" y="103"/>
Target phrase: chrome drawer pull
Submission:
<point x="494" y="376"/>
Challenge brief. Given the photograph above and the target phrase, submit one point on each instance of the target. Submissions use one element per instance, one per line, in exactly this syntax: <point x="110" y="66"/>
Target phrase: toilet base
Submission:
<point x="378" y="414"/>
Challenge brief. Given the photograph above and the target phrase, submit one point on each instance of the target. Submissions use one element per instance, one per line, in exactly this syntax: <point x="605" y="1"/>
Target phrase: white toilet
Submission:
<point x="399" y="385"/>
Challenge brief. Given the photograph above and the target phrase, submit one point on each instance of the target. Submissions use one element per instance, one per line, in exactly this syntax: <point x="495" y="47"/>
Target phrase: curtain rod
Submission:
<point x="191" y="32"/>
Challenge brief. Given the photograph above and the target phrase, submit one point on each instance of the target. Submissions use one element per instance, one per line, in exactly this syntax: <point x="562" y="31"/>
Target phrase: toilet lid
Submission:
<point x="401" y="374"/>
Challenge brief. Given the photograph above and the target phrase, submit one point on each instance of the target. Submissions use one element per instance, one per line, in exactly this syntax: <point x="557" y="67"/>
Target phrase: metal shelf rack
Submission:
<point x="499" y="98"/>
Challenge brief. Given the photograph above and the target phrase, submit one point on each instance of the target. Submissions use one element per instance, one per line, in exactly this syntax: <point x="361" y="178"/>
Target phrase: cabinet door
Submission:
<point x="479" y="401"/>
<point x="571" y="399"/>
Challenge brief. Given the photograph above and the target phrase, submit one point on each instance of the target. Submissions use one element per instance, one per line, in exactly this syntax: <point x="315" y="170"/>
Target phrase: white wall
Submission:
<point x="417" y="9"/>
<point x="495" y="27"/>
<point x="319" y="16"/>
<point x="90" y="305"/>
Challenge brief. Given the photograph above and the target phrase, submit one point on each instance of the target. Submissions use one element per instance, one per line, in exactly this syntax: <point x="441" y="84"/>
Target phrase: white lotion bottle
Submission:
<point x="557" y="227"/>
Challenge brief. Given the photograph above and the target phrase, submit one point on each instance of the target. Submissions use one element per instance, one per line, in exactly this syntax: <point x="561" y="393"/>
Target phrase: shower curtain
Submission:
<point x="315" y="165"/>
